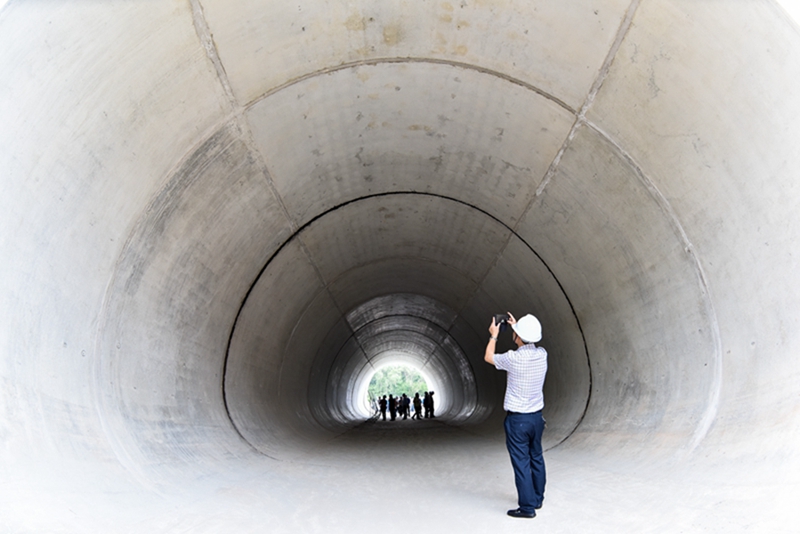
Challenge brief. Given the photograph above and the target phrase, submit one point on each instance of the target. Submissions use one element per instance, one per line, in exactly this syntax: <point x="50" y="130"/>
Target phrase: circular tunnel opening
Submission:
<point x="399" y="277"/>
<point x="410" y="330"/>
<point x="394" y="377"/>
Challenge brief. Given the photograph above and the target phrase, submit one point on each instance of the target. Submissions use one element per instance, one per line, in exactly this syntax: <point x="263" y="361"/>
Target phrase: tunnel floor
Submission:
<point x="392" y="477"/>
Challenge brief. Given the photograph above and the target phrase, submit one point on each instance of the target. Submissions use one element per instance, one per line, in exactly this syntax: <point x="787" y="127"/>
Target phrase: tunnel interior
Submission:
<point x="221" y="218"/>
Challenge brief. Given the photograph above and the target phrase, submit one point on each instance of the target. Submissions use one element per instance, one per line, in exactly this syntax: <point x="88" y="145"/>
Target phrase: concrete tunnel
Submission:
<point x="219" y="218"/>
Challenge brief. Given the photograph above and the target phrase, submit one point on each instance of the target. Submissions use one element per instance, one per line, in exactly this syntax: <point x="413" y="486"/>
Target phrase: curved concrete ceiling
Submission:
<point x="220" y="218"/>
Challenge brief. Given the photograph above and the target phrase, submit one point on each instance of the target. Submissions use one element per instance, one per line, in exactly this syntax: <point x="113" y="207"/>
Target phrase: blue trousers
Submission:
<point x="524" y="442"/>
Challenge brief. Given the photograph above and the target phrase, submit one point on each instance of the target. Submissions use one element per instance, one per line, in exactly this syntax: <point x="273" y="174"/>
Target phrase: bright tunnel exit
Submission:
<point x="409" y="331"/>
<point x="395" y="377"/>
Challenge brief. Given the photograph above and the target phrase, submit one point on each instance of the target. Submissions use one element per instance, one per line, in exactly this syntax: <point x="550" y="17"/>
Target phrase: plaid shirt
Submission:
<point x="526" y="367"/>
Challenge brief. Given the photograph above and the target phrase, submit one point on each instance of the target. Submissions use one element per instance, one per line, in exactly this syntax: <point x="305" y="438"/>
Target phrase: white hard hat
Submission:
<point x="528" y="329"/>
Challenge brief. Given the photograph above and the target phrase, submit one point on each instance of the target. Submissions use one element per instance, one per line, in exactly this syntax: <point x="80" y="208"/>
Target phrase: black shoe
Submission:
<point x="520" y="513"/>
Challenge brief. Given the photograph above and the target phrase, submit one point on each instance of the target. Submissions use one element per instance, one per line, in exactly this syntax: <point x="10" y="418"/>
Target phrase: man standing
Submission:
<point x="426" y="404"/>
<point x="417" y="407"/>
<point x="393" y="406"/>
<point x="526" y="367"/>
<point x="382" y="403"/>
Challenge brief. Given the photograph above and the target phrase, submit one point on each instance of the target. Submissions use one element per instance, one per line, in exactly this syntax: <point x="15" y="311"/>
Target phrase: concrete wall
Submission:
<point x="218" y="216"/>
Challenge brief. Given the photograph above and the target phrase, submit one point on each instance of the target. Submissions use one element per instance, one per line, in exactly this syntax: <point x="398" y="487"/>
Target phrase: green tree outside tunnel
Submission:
<point x="396" y="380"/>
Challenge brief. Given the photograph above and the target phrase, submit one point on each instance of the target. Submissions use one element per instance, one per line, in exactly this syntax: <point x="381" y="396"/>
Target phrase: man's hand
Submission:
<point x="494" y="329"/>
<point x="511" y="319"/>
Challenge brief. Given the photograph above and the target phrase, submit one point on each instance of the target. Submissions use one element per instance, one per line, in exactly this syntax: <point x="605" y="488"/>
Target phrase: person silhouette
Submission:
<point x="430" y="396"/>
<point x="417" y="407"/>
<point x="392" y="407"/>
<point x="382" y="403"/>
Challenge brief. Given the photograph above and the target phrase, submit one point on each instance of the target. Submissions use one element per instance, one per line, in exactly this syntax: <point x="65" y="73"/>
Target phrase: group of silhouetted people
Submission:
<point x="401" y="406"/>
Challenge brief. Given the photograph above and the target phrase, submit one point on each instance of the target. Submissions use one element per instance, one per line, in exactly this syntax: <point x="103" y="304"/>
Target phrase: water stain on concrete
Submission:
<point x="392" y="34"/>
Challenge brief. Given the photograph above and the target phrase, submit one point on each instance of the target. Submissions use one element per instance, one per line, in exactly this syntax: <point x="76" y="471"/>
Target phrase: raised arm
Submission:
<point x="494" y="329"/>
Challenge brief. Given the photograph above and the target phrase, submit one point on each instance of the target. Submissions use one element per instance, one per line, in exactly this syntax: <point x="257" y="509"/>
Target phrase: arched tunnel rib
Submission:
<point x="219" y="217"/>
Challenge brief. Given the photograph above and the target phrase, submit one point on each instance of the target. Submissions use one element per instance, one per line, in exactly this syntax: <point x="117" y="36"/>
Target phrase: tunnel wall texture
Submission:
<point x="218" y="216"/>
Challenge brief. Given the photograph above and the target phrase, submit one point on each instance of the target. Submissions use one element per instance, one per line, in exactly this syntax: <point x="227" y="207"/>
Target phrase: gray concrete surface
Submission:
<point x="219" y="218"/>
